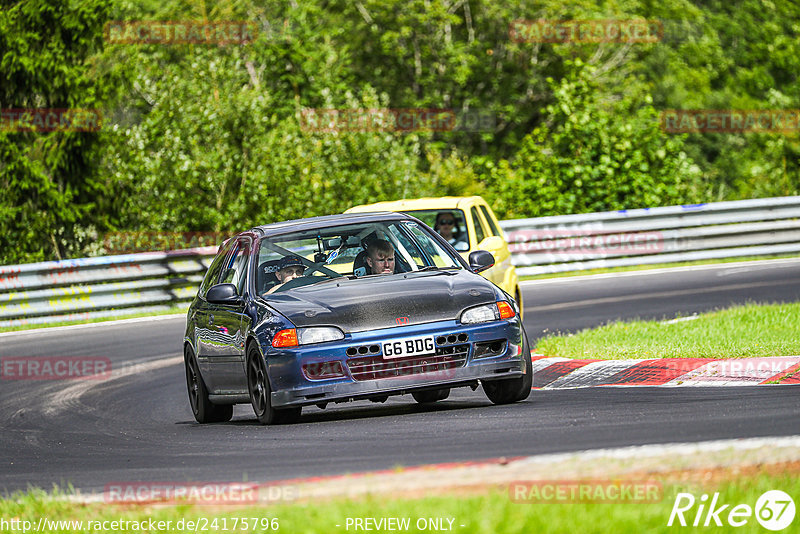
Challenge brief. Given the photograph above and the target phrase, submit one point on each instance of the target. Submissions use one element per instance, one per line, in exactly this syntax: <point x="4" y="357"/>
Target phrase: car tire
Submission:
<point x="512" y="389"/>
<point x="431" y="395"/>
<point x="203" y="409"/>
<point x="260" y="393"/>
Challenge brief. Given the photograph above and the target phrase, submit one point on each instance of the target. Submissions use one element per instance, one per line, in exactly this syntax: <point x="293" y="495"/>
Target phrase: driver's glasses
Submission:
<point x="292" y="271"/>
<point x="449" y="222"/>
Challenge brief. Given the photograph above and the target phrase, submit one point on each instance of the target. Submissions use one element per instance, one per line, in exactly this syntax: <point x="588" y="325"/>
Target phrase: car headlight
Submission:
<point x="480" y="314"/>
<point x="318" y="334"/>
<point x="488" y="312"/>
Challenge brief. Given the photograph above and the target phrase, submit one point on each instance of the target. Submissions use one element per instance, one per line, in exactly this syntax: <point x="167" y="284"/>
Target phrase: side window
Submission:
<point x="476" y="222"/>
<point x="212" y="274"/>
<point x="236" y="267"/>
<point x="495" y="230"/>
<point x="441" y="258"/>
<point x="408" y="248"/>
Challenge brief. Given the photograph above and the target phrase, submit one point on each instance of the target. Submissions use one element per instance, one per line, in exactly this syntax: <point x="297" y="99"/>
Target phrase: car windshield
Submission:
<point x="456" y="229"/>
<point x="340" y="252"/>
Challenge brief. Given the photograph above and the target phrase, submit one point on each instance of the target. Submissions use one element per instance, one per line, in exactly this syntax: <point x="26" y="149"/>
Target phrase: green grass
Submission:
<point x="647" y="267"/>
<point x="491" y="512"/>
<point x="745" y="331"/>
<point x="122" y="315"/>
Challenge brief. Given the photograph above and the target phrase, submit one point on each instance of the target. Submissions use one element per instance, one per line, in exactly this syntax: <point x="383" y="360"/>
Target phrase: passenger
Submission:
<point x="446" y="226"/>
<point x="289" y="268"/>
<point x="380" y="257"/>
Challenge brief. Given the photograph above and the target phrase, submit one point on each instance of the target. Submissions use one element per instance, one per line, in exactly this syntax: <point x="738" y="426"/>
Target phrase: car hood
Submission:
<point x="356" y="305"/>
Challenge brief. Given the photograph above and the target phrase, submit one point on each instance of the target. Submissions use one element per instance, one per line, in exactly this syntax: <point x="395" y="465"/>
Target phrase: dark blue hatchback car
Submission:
<point x="328" y="329"/>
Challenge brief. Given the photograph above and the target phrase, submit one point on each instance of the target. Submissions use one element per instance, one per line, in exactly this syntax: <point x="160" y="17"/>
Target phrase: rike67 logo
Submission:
<point x="774" y="510"/>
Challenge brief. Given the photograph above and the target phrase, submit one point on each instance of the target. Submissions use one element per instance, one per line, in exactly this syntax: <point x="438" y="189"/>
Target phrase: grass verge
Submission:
<point x="491" y="511"/>
<point x="747" y="331"/>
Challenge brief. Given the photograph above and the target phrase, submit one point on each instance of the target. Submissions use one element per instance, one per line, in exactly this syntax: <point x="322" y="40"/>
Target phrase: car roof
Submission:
<point x="326" y="221"/>
<point x="426" y="203"/>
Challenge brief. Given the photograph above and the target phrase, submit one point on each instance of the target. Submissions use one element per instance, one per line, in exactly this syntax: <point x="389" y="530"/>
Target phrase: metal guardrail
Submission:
<point x="86" y="288"/>
<point x="760" y="227"/>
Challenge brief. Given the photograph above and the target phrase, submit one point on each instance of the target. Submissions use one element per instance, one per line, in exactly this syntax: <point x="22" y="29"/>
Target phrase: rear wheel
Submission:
<point x="516" y="389"/>
<point x="431" y="396"/>
<point x="260" y="392"/>
<point x="204" y="411"/>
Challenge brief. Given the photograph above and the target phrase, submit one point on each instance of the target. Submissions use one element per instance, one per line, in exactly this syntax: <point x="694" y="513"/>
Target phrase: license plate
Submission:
<point x="410" y="346"/>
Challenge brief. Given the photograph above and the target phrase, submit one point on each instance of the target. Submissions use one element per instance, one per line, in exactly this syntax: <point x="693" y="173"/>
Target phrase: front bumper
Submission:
<point x="462" y="362"/>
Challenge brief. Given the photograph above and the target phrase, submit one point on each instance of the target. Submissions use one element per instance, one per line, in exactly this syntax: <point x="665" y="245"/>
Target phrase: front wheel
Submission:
<point x="260" y="393"/>
<point x="202" y="408"/>
<point x="512" y="389"/>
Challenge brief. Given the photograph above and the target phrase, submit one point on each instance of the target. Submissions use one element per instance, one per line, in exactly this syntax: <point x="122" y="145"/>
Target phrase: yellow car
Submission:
<point x="474" y="227"/>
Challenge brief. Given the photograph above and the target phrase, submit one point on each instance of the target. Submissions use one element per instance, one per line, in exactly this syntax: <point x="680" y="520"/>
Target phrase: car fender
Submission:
<point x="511" y="286"/>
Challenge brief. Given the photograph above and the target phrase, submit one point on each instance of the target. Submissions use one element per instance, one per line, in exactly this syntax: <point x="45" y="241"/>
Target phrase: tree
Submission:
<point x="585" y="158"/>
<point x="53" y="201"/>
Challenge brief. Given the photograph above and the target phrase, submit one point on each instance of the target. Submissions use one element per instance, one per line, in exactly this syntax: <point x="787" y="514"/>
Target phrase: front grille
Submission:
<point x="375" y="367"/>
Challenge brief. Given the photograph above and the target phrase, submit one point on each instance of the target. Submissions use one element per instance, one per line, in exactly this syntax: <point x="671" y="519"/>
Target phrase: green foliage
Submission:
<point x="585" y="159"/>
<point x="209" y="137"/>
<point x="52" y="199"/>
<point x="219" y="146"/>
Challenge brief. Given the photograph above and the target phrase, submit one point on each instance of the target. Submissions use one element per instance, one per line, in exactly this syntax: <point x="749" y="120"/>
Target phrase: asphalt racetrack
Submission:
<point x="137" y="426"/>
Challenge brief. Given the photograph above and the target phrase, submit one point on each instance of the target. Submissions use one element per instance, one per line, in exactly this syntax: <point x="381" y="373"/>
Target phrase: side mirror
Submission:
<point x="223" y="294"/>
<point x="480" y="260"/>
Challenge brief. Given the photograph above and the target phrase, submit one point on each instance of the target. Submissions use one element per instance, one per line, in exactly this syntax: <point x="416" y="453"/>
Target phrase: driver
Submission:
<point x="289" y="268"/>
<point x="446" y="226"/>
<point x="380" y="257"/>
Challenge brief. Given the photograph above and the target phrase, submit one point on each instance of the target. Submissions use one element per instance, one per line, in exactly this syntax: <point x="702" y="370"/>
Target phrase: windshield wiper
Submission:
<point x="443" y="270"/>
